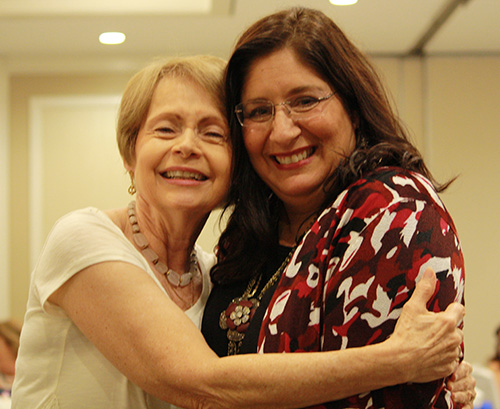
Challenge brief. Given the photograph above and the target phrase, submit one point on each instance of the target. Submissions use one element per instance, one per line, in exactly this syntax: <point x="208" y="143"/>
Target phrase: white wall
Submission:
<point x="464" y="126"/>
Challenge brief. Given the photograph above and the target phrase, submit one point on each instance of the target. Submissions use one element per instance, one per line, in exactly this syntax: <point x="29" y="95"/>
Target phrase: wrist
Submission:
<point x="400" y="363"/>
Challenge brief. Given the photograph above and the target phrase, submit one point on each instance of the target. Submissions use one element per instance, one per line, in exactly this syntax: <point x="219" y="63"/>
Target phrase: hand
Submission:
<point x="429" y="343"/>
<point x="462" y="386"/>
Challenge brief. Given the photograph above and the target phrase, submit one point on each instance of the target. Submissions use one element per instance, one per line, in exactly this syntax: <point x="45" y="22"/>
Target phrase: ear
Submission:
<point x="355" y="120"/>
<point x="128" y="167"/>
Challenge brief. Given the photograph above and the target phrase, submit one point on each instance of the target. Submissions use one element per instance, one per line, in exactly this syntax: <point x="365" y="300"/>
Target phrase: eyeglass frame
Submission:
<point x="238" y="109"/>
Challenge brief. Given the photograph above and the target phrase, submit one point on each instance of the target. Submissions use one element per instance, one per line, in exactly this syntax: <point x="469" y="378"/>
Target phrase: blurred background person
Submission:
<point x="494" y="363"/>
<point x="9" y="344"/>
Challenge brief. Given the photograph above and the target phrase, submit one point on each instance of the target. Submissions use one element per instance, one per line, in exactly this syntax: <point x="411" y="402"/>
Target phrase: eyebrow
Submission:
<point x="209" y="119"/>
<point x="293" y="91"/>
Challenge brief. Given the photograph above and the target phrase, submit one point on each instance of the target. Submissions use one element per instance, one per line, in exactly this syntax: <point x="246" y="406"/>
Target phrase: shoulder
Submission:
<point x="78" y="240"/>
<point x="387" y="187"/>
<point x="83" y="233"/>
<point x="387" y="197"/>
<point x="82" y="222"/>
<point x="82" y="217"/>
<point x="394" y="182"/>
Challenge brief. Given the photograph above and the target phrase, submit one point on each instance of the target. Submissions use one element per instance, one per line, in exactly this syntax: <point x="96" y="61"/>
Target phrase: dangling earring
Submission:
<point x="131" y="188"/>
<point x="361" y="141"/>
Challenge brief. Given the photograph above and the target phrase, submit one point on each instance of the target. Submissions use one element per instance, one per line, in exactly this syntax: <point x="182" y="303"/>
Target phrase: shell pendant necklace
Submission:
<point x="174" y="278"/>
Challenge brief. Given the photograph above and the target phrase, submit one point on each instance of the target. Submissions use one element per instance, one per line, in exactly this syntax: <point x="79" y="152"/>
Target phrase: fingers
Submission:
<point x="456" y="312"/>
<point x="462" y="385"/>
<point x="439" y="337"/>
<point x="424" y="288"/>
<point x="464" y="398"/>
<point x="463" y="374"/>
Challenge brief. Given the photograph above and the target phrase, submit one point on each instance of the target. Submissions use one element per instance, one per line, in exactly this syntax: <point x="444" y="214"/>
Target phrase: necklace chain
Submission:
<point x="237" y="316"/>
<point x="174" y="278"/>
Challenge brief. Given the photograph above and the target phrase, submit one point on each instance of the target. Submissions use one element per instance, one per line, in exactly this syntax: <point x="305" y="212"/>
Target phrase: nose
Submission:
<point x="187" y="144"/>
<point x="285" y="106"/>
<point x="283" y="128"/>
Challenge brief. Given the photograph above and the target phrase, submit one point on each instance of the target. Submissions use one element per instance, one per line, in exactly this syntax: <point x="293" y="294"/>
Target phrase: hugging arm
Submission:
<point x="148" y="338"/>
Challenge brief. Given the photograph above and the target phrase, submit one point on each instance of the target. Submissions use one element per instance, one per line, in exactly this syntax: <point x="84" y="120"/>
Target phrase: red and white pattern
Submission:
<point x="352" y="273"/>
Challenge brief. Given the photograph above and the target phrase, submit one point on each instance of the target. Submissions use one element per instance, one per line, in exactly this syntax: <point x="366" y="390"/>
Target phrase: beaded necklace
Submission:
<point x="174" y="278"/>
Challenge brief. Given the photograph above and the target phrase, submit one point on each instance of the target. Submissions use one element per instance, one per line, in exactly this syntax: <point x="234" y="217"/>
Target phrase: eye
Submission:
<point x="214" y="134"/>
<point x="258" y="111"/>
<point x="166" y="131"/>
<point x="303" y="103"/>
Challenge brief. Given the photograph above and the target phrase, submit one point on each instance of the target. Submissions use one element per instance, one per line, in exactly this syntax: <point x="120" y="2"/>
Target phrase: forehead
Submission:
<point x="172" y="87"/>
<point x="280" y="71"/>
<point x="181" y="92"/>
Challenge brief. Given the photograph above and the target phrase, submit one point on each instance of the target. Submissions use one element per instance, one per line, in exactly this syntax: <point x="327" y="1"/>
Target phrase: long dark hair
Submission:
<point x="251" y="235"/>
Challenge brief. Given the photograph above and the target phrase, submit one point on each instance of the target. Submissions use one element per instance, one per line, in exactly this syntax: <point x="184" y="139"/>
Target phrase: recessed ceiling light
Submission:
<point x="343" y="2"/>
<point x="112" y="38"/>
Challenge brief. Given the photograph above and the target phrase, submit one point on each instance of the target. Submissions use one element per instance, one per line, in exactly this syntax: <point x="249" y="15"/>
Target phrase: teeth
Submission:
<point x="178" y="174"/>
<point x="287" y="160"/>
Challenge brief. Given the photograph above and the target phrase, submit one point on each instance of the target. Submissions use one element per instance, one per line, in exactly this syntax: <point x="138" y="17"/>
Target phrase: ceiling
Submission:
<point x="40" y="35"/>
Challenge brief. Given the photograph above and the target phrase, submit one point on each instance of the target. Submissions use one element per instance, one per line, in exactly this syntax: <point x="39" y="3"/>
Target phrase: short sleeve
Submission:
<point x="78" y="240"/>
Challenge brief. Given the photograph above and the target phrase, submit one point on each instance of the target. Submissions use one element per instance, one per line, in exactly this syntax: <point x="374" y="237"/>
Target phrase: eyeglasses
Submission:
<point x="263" y="110"/>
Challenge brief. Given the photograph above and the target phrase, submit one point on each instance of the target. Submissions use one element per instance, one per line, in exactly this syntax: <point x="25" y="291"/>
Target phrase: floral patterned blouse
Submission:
<point x="349" y="278"/>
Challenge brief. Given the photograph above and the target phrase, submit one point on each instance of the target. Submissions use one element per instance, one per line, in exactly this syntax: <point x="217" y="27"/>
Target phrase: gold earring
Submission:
<point x="131" y="188"/>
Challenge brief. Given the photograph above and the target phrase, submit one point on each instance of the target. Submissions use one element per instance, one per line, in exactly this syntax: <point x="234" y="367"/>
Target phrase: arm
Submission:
<point x="147" y="337"/>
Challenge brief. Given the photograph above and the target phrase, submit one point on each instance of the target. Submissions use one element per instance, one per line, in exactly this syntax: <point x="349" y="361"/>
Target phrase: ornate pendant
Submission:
<point x="236" y="318"/>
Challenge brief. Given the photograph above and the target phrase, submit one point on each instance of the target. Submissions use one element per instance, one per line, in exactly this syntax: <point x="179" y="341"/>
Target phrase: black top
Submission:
<point x="220" y="298"/>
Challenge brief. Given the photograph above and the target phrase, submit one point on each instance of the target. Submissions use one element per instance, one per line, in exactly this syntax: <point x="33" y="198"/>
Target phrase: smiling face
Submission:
<point x="182" y="158"/>
<point x="295" y="155"/>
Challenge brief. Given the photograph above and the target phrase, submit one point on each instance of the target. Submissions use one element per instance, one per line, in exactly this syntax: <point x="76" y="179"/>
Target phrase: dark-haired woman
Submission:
<point x="336" y="217"/>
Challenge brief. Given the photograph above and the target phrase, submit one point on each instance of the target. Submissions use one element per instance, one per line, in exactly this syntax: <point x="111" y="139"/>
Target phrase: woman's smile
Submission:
<point x="295" y="157"/>
<point x="183" y="175"/>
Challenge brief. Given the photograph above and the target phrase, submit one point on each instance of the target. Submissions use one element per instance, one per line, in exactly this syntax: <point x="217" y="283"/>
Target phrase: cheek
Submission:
<point x="223" y="163"/>
<point x="152" y="150"/>
<point x="254" y="144"/>
<point x="343" y="140"/>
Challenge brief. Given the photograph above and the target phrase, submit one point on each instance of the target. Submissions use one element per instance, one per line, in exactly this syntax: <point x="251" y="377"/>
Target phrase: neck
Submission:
<point x="170" y="234"/>
<point x="292" y="227"/>
<point x="300" y="211"/>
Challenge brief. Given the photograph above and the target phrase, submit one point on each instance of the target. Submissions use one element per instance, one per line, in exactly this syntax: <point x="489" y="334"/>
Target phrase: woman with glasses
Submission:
<point x="335" y="215"/>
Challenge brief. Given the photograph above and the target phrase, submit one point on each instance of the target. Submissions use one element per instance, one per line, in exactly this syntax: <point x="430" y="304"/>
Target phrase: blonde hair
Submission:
<point x="207" y="71"/>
